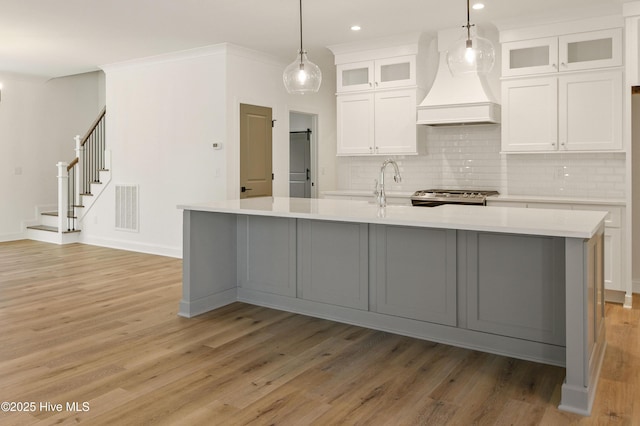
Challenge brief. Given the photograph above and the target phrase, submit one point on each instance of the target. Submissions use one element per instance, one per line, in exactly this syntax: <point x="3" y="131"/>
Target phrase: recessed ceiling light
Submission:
<point x="478" y="6"/>
<point x="356" y="28"/>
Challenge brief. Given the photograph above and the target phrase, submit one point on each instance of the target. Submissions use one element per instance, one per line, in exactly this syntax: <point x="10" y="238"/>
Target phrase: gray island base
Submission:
<point x="522" y="283"/>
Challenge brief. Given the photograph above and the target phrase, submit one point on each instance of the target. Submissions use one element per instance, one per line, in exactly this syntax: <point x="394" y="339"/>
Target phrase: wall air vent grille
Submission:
<point x="127" y="207"/>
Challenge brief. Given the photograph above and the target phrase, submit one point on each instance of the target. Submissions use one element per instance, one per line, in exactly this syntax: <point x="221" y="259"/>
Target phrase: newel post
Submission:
<point x="63" y="195"/>
<point x="79" y="168"/>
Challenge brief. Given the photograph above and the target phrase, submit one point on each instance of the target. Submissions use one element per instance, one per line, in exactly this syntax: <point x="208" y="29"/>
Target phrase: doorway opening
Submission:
<point x="302" y="155"/>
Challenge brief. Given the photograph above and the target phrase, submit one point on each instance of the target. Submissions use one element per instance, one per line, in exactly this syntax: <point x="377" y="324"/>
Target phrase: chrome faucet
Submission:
<point x="381" y="197"/>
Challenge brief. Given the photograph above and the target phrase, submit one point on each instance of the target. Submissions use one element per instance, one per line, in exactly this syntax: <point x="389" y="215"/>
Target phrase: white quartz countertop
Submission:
<point x="549" y="222"/>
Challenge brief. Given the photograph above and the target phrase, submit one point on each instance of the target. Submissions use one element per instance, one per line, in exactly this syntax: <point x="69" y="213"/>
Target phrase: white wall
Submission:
<point x="165" y="112"/>
<point x="38" y="120"/>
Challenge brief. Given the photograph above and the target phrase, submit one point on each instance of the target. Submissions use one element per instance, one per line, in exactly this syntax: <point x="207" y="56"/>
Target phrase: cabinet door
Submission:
<point x="355" y="76"/>
<point x="595" y="49"/>
<point x="395" y="122"/>
<point x="355" y="124"/>
<point x="530" y="115"/>
<point x="590" y="111"/>
<point x="334" y="262"/>
<point x="530" y="56"/>
<point x="416" y="273"/>
<point x="395" y="72"/>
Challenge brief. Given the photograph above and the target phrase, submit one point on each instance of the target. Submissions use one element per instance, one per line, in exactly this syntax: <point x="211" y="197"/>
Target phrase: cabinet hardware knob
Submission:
<point x="554" y="66"/>
<point x="563" y="64"/>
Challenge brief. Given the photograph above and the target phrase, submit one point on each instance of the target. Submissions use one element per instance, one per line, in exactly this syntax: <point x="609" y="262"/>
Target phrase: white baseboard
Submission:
<point x="133" y="246"/>
<point x="13" y="237"/>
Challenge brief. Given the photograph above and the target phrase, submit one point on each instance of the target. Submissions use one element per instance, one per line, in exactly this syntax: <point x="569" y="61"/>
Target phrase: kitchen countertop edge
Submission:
<point x="553" y="223"/>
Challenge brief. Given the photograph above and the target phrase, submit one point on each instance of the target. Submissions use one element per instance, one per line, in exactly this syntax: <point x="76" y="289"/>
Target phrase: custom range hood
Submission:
<point x="463" y="99"/>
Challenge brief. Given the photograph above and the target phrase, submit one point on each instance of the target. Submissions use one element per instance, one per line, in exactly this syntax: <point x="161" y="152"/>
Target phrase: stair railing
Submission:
<point x="75" y="178"/>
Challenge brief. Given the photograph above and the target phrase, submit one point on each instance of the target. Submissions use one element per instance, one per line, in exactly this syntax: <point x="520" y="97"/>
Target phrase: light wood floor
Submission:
<point x="89" y="324"/>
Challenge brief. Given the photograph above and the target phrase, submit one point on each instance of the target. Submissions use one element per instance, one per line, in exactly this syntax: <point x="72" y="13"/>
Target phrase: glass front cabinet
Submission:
<point x="573" y="52"/>
<point x="377" y="74"/>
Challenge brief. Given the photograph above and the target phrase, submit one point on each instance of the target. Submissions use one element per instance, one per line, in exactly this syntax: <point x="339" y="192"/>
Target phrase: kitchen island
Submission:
<point x="524" y="283"/>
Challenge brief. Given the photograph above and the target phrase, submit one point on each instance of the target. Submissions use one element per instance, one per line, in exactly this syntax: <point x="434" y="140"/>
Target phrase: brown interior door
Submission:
<point x="256" y="165"/>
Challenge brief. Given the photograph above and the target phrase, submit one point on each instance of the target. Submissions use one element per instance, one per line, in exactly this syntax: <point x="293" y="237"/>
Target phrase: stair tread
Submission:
<point x="50" y="229"/>
<point x="56" y="214"/>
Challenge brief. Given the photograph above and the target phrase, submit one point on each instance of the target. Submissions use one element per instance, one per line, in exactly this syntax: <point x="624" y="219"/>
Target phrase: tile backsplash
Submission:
<point x="468" y="157"/>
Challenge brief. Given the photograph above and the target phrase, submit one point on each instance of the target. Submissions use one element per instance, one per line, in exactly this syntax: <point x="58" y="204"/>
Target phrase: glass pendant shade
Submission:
<point x="471" y="55"/>
<point x="302" y="76"/>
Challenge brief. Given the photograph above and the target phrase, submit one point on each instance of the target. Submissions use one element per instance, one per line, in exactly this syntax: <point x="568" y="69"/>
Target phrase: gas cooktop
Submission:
<point x="436" y="197"/>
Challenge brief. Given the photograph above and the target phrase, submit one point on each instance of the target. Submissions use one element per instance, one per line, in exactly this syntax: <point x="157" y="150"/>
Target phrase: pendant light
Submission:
<point x="302" y="76"/>
<point x="471" y="54"/>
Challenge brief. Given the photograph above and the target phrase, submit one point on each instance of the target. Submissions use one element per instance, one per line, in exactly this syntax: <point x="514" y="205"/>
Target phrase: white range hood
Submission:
<point x="464" y="99"/>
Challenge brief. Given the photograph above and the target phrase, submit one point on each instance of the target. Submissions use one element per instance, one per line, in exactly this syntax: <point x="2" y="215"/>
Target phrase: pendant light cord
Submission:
<point x="301" y="59"/>
<point x="468" y="26"/>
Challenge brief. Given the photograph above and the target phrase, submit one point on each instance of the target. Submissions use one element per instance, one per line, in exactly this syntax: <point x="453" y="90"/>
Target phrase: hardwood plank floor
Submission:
<point x="87" y="324"/>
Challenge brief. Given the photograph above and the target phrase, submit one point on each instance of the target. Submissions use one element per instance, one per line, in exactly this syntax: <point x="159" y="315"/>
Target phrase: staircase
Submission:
<point x="80" y="182"/>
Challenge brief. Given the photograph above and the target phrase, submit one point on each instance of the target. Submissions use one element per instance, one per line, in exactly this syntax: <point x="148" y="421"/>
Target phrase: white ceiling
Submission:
<point x="63" y="37"/>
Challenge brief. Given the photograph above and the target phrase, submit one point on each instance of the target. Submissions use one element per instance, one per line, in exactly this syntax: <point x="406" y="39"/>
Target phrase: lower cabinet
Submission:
<point x="415" y="273"/>
<point x="333" y="263"/>
<point x="515" y="286"/>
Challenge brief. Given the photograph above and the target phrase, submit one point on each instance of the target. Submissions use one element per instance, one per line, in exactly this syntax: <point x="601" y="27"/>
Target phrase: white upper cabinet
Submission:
<point x="596" y="49"/>
<point x="355" y="76"/>
<point x="573" y="112"/>
<point x="379" y="86"/>
<point x="572" y="52"/>
<point x="562" y="93"/>
<point x="377" y="74"/>
<point x="530" y="115"/>
<point x="530" y="56"/>
<point x="590" y="111"/>
<point x="355" y="124"/>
